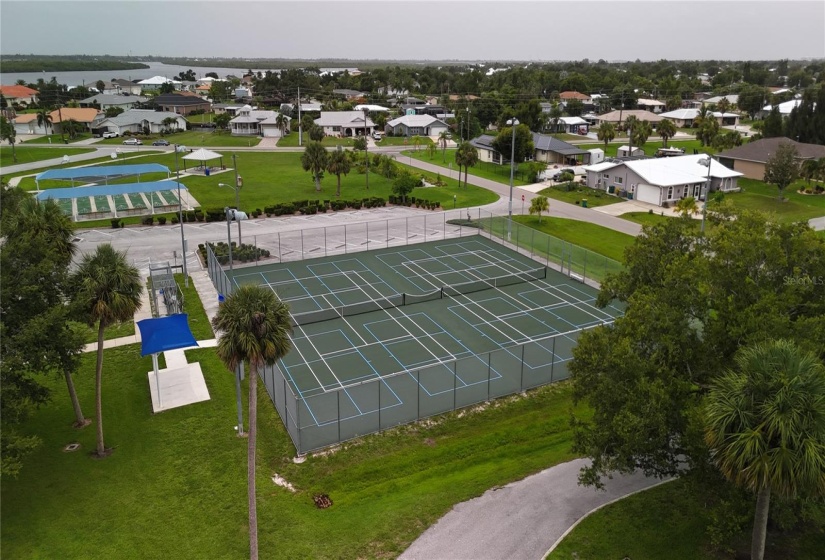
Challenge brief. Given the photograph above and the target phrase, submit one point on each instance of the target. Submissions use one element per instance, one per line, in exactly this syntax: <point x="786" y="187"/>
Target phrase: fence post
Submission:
<point x="553" y="360"/>
<point x="584" y="270"/>
<point x="418" y="395"/>
<point x="387" y="234"/>
<point x="338" y="413"/>
<point x="444" y="225"/>
<point x="286" y="410"/>
<point x="297" y="412"/>
<point x="325" y="241"/>
<point x="345" y="239"/>
<point x="379" y="404"/>
<point x="302" y="244"/>
<point x="368" y="236"/>
<point x="280" y="259"/>
<point x="489" y="359"/>
<point x="255" y="242"/>
<point x="455" y="382"/>
<point x="532" y="238"/>
<point x="407" y="230"/>
<point x="521" y="383"/>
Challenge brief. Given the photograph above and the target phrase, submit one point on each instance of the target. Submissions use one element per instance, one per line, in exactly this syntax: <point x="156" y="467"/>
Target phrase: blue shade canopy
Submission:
<point x="165" y="333"/>
<point x="103" y="190"/>
<point x="102" y="171"/>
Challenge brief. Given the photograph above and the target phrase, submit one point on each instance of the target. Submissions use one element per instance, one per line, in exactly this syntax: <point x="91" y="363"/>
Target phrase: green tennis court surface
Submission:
<point x="389" y="336"/>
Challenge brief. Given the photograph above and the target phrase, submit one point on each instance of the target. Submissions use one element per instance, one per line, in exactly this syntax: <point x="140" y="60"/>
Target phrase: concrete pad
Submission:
<point x="175" y="359"/>
<point x="817" y="223"/>
<point x="178" y="387"/>
<point x="636" y="206"/>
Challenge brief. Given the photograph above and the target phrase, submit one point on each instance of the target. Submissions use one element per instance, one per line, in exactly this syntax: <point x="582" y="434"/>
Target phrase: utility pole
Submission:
<point x="180" y="218"/>
<point x="366" y="145"/>
<point x="237" y="195"/>
<point x="300" y="129"/>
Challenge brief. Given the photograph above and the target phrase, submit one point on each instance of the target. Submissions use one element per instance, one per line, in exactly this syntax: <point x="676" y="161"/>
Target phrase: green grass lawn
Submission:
<point x="291" y="141"/>
<point x="404" y="141"/>
<point x="126" y="328"/>
<point x="757" y="195"/>
<point x="653" y="143"/>
<point x="57" y="139"/>
<point x="486" y="170"/>
<point x="175" y="486"/>
<point x="669" y="522"/>
<point x="202" y="118"/>
<point x="645" y="218"/>
<point x="198" y="321"/>
<point x="28" y="154"/>
<point x="193" y="139"/>
<point x="569" y="137"/>
<point x="594" y="197"/>
<point x="598" y="239"/>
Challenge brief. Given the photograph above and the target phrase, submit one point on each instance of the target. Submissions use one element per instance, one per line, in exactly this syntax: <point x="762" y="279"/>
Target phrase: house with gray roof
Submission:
<point x="137" y="121"/>
<point x="749" y="159"/>
<point x="345" y="123"/>
<point x="104" y="101"/>
<point x="254" y="122"/>
<point x="416" y="125"/>
<point x="548" y="150"/>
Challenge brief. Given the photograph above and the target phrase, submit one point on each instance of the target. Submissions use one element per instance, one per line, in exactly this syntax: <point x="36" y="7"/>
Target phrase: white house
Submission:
<point x="105" y="101"/>
<point x="345" y="123"/>
<point x="156" y="81"/>
<point x="572" y="125"/>
<point x="626" y="151"/>
<point x="661" y="180"/>
<point x="683" y="118"/>
<point x="416" y="125"/>
<point x="253" y="122"/>
<point x="370" y="108"/>
<point x="784" y="108"/>
<point x="137" y="120"/>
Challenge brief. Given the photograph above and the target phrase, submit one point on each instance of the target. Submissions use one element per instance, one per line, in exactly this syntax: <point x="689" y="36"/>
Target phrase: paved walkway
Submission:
<point x="520" y="521"/>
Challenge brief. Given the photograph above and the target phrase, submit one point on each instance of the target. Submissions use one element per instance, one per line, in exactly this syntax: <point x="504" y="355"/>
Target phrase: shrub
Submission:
<point x="665" y="205"/>
<point x="650" y="211"/>
<point x="116" y="223"/>
<point x="162" y="220"/>
<point x="175" y="219"/>
<point x="147" y="220"/>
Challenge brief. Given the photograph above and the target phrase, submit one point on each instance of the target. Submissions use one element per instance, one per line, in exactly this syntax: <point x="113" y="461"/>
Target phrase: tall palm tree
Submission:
<point x="666" y="129"/>
<point x="466" y="156"/>
<point x="107" y="290"/>
<point x="281" y="122"/>
<point x="314" y="159"/>
<point x="416" y="141"/>
<point x="764" y="425"/>
<point x="338" y="164"/>
<point x="44" y="119"/>
<point x="442" y="141"/>
<point x="254" y="327"/>
<point x="641" y="132"/>
<point x="606" y="133"/>
<point x="168" y="123"/>
<point x="723" y="105"/>
<point x="812" y="169"/>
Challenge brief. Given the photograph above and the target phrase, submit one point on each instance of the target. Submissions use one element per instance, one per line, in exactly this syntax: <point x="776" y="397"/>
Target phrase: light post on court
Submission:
<point x="513" y="123"/>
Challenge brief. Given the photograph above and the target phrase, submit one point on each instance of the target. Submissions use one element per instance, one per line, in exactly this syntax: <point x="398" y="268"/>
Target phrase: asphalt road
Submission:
<point x="522" y="520"/>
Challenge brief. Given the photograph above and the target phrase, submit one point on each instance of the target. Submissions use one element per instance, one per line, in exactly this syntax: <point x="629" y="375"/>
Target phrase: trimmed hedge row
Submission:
<point x="412" y="201"/>
<point x="244" y="253"/>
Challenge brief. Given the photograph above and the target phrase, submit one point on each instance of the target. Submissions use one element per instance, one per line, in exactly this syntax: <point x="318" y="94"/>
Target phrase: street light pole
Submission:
<point x="366" y="145"/>
<point x="513" y="123"/>
<point x="237" y="196"/>
<point x="180" y="219"/>
<point x="705" y="161"/>
<point x="229" y="235"/>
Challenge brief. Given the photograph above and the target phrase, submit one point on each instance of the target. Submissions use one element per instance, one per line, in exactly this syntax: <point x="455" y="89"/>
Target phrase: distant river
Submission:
<point x="90" y="78"/>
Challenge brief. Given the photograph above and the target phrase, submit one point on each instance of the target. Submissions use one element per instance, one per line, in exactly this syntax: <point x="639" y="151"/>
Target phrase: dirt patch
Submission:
<point x="322" y="501"/>
<point x="281" y="481"/>
<point x="429" y="442"/>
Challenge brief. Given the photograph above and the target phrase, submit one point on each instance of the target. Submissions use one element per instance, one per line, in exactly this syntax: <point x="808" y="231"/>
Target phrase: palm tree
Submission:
<point x="687" y="206"/>
<point x="314" y="159"/>
<point x="71" y="127"/>
<point x="555" y="116"/>
<point x="469" y="158"/>
<point x="723" y="105"/>
<point x="606" y="133"/>
<point x="442" y="141"/>
<point x="764" y="425"/>
<point x="666" y="129"/>
<point x="254" y="327"/>
<point x="812" y="169"/>
<point x="416" y="141"/>
<point x="44" y="119"/>
<point x="168" y="122"/>
<point x="641" y="132"/>
<point x="538" y="205"/>
<point x="107" y="290"/>
<point x="281" y="122"/>
<point x="8" y="132"/>
<point x="338" y="163"/>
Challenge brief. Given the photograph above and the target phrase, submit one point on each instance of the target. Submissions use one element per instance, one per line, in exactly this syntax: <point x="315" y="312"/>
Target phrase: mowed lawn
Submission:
<point x="757" y="195"/>
<point x="29" y="154"/>
<point x="653" y="143"/>
<point x="486" y="170"/>
<point x="668" y="521"/>
<point x="175" y="486"/>
<point x="193" y="139"/>
<point x="598" y="239"/>
<point x="594" y="197"/>
<point x="291" y="141"/>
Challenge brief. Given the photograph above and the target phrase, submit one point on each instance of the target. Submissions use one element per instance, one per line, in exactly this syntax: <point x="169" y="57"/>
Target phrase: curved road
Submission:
<point x="522" y="520"/>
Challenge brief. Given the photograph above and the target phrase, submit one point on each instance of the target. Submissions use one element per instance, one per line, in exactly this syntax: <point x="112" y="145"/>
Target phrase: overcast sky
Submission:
<point x="421" y="30"/>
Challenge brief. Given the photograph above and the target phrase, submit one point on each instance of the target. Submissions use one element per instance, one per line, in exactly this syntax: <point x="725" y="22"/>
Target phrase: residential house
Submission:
<point x="19" y="94"/>
<point x="371" y="108"/>
<point x="468" y="97"/>
<point x="416" y="125"/>
<point x="784" y="108"/>
<point x="155" y="82"/>
<point x="122" y="87"/>
<point x="732" y="99"/>
<point x="349" y="94"/>
<point x="570" y="125"/>
<point x="425" y="109"/>
<point x="136" y="121"/>
<point x="181" y="103"/>
<point x="652" y="105"/>
<point x="231" y="108"/>
<point x="566" y="96"/>
<point x="345" y="123"/>
<point x="104" y="101"/>
<point x="311" y="107"/>
<point x="254" y="122"/>
<point x="661" y="180"/>
<point x="27" y="123"/>
<point x="749" y="159"/>
<point x="684" y="118"/>
<point x="548" y="149"/>
<point x="616" y="116"/>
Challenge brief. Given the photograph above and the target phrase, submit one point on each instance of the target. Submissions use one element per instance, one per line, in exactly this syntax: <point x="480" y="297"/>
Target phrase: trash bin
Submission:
<point x="206" y="172"/>
<point x="611" y="189"/>
<point x="584" y="203"/>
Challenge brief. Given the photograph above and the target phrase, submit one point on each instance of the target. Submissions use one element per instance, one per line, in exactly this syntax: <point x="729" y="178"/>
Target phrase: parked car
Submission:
<point x="133" y="142"/>
<point x="377" y="135"/>
<point x="557" y="175"/>
<point x="160" y="143"/>
<point x="182" y="148"/>
<point x="110" y="135"/>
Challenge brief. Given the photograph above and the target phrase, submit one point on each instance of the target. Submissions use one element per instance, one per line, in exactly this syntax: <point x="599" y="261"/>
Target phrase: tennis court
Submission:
<point x="389" y="336"/>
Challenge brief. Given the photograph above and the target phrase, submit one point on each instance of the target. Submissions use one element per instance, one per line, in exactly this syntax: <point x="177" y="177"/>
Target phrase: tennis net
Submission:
<point x="400" y="300"/>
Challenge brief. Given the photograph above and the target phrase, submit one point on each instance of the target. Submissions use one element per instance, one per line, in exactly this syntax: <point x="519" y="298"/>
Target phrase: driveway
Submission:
<point x="522" y="520"/>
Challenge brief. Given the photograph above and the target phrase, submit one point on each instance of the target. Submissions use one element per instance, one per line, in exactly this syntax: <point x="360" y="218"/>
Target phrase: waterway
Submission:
<point x="91" y="77"/>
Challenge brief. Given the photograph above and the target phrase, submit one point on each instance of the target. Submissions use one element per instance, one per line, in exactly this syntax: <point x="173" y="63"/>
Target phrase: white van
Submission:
<point x="377" y="136"/>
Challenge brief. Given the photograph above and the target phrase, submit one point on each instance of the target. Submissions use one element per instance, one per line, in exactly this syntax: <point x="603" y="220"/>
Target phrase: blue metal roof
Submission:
<point x="103" y="190"/>
<point x="165" y="333"/>
<point x="101" y="171"/>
